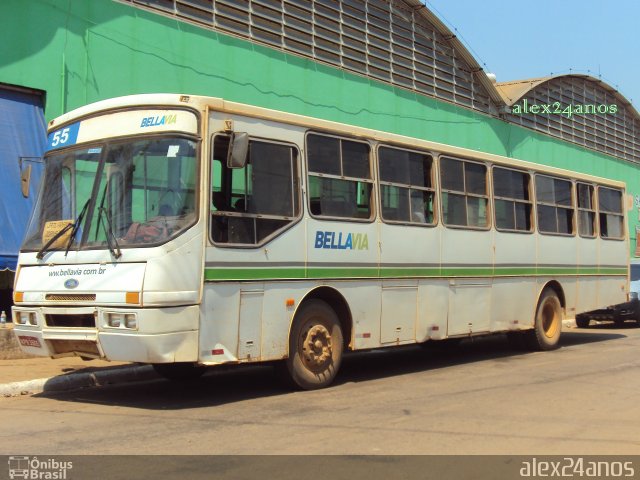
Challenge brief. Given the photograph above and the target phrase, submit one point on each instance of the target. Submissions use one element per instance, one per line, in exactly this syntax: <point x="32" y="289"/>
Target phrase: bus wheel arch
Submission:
<point x="317" y="339"/>
<point x="557" y="288"/>
<point x="338" y="303"/>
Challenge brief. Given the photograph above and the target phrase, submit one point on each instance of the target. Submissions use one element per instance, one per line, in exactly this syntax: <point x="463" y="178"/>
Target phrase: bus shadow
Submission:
<point x="246" y="382"/>
<point x="412" y="359"/>
<point x="593" y="333"/>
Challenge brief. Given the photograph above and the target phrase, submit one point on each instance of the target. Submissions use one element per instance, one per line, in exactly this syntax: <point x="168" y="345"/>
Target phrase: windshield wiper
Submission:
<point x="111" y="237"/>
<point x="74" y="228"/>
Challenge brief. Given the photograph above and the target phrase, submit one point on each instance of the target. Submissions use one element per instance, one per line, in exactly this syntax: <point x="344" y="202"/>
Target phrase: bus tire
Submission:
<point x="548" y="323"/>
<point x="315" y="346"/>
<point x="179" y="372"/>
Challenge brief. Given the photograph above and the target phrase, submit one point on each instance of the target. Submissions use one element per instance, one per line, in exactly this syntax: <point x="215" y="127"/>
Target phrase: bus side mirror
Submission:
<point x="238" y="149"/>
<point x="24" y="164"/>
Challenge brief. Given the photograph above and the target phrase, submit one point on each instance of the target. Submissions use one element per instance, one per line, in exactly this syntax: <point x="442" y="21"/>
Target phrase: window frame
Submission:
<point x="433" y="189"/>
<point x="594" y="210"/>
<point x="556" y="205"/>
<point x="441" y="190"/>
<point x="296" y="183"/>
<point x="530" y="202"/>
<point x="619" y="214"/>
<point x="371" y="181"/>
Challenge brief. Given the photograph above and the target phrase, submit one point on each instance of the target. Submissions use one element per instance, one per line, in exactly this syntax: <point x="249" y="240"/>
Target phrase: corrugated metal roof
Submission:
<point x="512" y="91"/>
<point x="481" y="75"/>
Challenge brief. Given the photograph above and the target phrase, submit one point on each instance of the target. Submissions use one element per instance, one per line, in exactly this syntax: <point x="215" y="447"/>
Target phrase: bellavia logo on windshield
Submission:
<point x="158" y="120"/>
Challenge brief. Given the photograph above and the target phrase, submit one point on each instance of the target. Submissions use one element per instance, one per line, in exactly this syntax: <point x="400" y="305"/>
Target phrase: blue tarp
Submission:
<point x="22" y="134"/>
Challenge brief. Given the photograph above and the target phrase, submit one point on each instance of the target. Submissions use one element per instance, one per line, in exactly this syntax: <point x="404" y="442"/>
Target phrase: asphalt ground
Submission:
<point x="478" y="397"/>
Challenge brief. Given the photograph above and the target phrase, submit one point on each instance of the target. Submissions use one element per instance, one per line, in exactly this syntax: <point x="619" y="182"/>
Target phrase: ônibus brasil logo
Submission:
<point x="32" y="468"/>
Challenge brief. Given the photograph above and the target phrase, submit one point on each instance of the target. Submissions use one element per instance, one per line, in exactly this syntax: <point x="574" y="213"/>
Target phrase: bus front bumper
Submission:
<point x="162" y="335"/>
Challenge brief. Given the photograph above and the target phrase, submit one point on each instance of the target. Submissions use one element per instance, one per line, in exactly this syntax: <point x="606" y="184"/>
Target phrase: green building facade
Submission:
<point x="80" y="51"/>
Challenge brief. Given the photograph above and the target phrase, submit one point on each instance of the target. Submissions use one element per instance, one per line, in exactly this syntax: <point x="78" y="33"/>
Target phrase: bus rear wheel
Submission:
<point x="315" y="346"/>
<point x="548" y="322"/>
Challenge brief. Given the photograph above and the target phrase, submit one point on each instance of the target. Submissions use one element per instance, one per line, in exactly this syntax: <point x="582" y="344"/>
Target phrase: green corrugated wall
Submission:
<point x="80" y="51"/>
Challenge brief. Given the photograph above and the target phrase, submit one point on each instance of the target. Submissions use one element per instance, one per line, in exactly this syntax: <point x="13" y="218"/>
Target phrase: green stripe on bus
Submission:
<point x="612" y="271"/>
<point x="398" y="272"/>
<point x="350" y="272"/>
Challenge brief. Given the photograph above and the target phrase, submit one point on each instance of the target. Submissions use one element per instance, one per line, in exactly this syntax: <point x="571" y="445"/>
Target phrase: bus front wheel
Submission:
<point x="548" y="322"/>
<point x="315" y="346"/>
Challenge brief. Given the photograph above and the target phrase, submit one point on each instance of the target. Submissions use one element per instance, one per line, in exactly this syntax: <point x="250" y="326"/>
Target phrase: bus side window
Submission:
<point x="554" y="202"/>
<point x="611" y="213"/>
<point x="465" y="194"/>
<point x="250" y="204"/>
<point x="406" y="186"/>
<point x="586" y="210"/>
<point x="340" y="181"/>
<point x="513" y="204"/>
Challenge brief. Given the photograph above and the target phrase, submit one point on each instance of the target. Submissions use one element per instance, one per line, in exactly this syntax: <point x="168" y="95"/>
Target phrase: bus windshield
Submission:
<point x="128" y="193"/>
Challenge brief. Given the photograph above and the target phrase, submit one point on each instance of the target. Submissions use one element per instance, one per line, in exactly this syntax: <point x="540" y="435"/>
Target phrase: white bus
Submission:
<point x="186" y="231"/>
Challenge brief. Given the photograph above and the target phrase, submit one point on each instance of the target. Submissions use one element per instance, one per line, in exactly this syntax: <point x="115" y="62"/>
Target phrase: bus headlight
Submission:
<point x="120" y="319"/>
<point x="26" y="318"/>
<point x="115" y="320"/>
<point x="130" y="320"/>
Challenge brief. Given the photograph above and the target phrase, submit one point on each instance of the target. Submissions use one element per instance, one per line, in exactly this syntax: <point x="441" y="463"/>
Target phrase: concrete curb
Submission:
<point x="75" y="381"/>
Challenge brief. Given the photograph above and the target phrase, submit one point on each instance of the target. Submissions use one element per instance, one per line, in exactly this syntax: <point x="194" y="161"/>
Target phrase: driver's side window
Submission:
<point x="249" y="205"/>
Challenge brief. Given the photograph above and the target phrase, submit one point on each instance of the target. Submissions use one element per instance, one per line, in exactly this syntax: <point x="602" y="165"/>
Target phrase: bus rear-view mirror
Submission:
<point x="25" y="180"/>
<point x="238" y="148"/>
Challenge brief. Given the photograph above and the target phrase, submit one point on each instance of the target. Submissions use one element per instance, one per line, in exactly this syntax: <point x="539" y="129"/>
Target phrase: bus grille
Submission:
<point x="70" y="297"/>
<point x="87" y="347"/>
<point x="71" y="321"/>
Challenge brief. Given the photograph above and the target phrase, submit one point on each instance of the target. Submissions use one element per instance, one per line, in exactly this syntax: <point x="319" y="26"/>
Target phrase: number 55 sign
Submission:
<point x="64" y="137"/>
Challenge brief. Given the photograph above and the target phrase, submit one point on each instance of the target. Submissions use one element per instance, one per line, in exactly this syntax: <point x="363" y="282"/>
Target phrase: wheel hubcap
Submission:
<point x="316" y="347"/>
